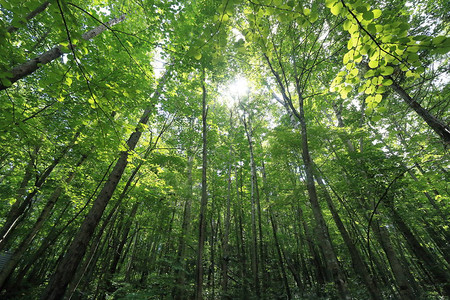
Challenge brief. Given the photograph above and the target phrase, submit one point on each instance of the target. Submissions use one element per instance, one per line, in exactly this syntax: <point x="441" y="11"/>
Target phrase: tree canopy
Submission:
<point x="232" y="149"/>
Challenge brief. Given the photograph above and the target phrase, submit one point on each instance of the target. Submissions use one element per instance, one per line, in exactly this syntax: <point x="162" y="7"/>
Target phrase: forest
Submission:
<point x="224" y="149"/>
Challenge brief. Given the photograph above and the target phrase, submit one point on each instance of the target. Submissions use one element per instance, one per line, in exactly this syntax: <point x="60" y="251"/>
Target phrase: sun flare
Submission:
<point x="235" y="91"/>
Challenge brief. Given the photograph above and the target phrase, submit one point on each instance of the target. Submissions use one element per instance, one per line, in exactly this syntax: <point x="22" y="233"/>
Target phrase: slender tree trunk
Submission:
<point x="254" y="197"/>
<point x="280" y="256"/>
<point x="358" y="263"/>
<point x="179" y="291"/>
<point x="225" y="254"/>
<point x="67" y="267"/>
<point x="436" y="124"/>
<point x="323" y="237"/>
<point x="18" y="253"/>
<point x="440" y="275"/>
<point x="18" y="213"/>
<point x="240" y="235"/>
<point x="204" y="201"/>
<point x="405" y="287"/>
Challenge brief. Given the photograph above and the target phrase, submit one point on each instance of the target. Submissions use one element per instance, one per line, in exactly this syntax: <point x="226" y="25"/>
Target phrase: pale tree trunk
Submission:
<point x="323" y="236"/>
<point x="280" y="255"/>
<point x="204" y="201"/>
<point x="32" y="65"/>
<point x="400" y="273"/>
<point x="67" y="267"/>
<point x="242" y="257"/>
<point x="433" y="266"/>
<point x="31" y="15"/>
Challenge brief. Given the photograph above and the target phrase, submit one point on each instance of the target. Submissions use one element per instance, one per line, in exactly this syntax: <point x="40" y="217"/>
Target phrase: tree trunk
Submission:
<point x="32" y="65"/>
<point x="204" y="201"/>
<point x="18" y="253"/>
<point x="437" y="125"/>
<point x="280" y="256"/>
<point x="323" y="237"/>
<point x="440" y="275"/>
<point x="179" y="290"/>
<point x="15" y="217"/>
<point x="67" y="267"/>
<point x="358" y="263"/>
<point x="225" y="254"/>
<point x="254" y="200"/>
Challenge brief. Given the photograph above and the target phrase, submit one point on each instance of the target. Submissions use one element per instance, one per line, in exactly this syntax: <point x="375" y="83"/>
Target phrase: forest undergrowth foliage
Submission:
<point x="224" y="149"/>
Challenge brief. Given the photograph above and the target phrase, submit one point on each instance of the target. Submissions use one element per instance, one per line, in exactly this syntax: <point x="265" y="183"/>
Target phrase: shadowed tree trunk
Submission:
<point x="67" y="267"/>
<point x="204" y="200"/>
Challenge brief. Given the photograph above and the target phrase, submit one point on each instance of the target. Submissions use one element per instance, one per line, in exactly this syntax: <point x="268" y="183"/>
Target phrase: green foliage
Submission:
<point x="333" y="65"/>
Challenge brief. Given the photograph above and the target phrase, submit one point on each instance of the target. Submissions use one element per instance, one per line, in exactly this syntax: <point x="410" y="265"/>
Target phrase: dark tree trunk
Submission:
<point x="204" y="201"/>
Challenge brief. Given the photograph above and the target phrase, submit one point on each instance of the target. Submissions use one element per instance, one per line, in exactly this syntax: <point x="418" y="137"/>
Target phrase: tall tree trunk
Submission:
<point x="204" y="201"/>
<point x="19" y="212"/>
<point x="254" y="199"/>
<point x="225" y="254"/>
<point x="67" y="267"/>
<point x="436" y="124"/>
<point x="179" y="291"/>
<point x="440" y="275"/>
<point x="280" y="256"/>
<point x="18" y="253"/>
<point x="358" y="263"/>
<point x="323" y="237"/>
<point x="400" y="273"/>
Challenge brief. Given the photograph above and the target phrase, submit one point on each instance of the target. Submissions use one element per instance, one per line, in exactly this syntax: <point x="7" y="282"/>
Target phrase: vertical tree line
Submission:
<point x="135" y="164"/>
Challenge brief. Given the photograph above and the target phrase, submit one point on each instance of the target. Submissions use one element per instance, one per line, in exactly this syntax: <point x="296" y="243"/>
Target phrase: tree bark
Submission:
<point x="437" y="125"/>
<point x="18" y="253"/>
<point x="358" y="263"/>
<point x="280" y="256"/>
<point x="254" y="200"/>
<point x="32" y="65"/>
<point x="67" y="267"/>
<point x="18" y="212"/>
<point x="31" y="15"/>
<point x="204" y="200"/>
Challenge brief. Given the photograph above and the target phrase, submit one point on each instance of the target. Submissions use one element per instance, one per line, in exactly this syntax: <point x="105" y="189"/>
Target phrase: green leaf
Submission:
<point x="376" y="118"/>
<point x="381" y="109"/>
<point x="313" y="17"/>
<point x="330" y="3"/>
<point x="387" y="82"/>
<point x="376" y="13"/>
<point x="361" y="9"/>
<point x="336" y="9"/>
<point x="437" y="40"/>
<point x="388" y="70"/>
<point x="6" y="82"/>
<point x="197" y="55"/>
<point x="69" y="81"/>
<point x="368" y="15"/>
<point x="373" y="64"/>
